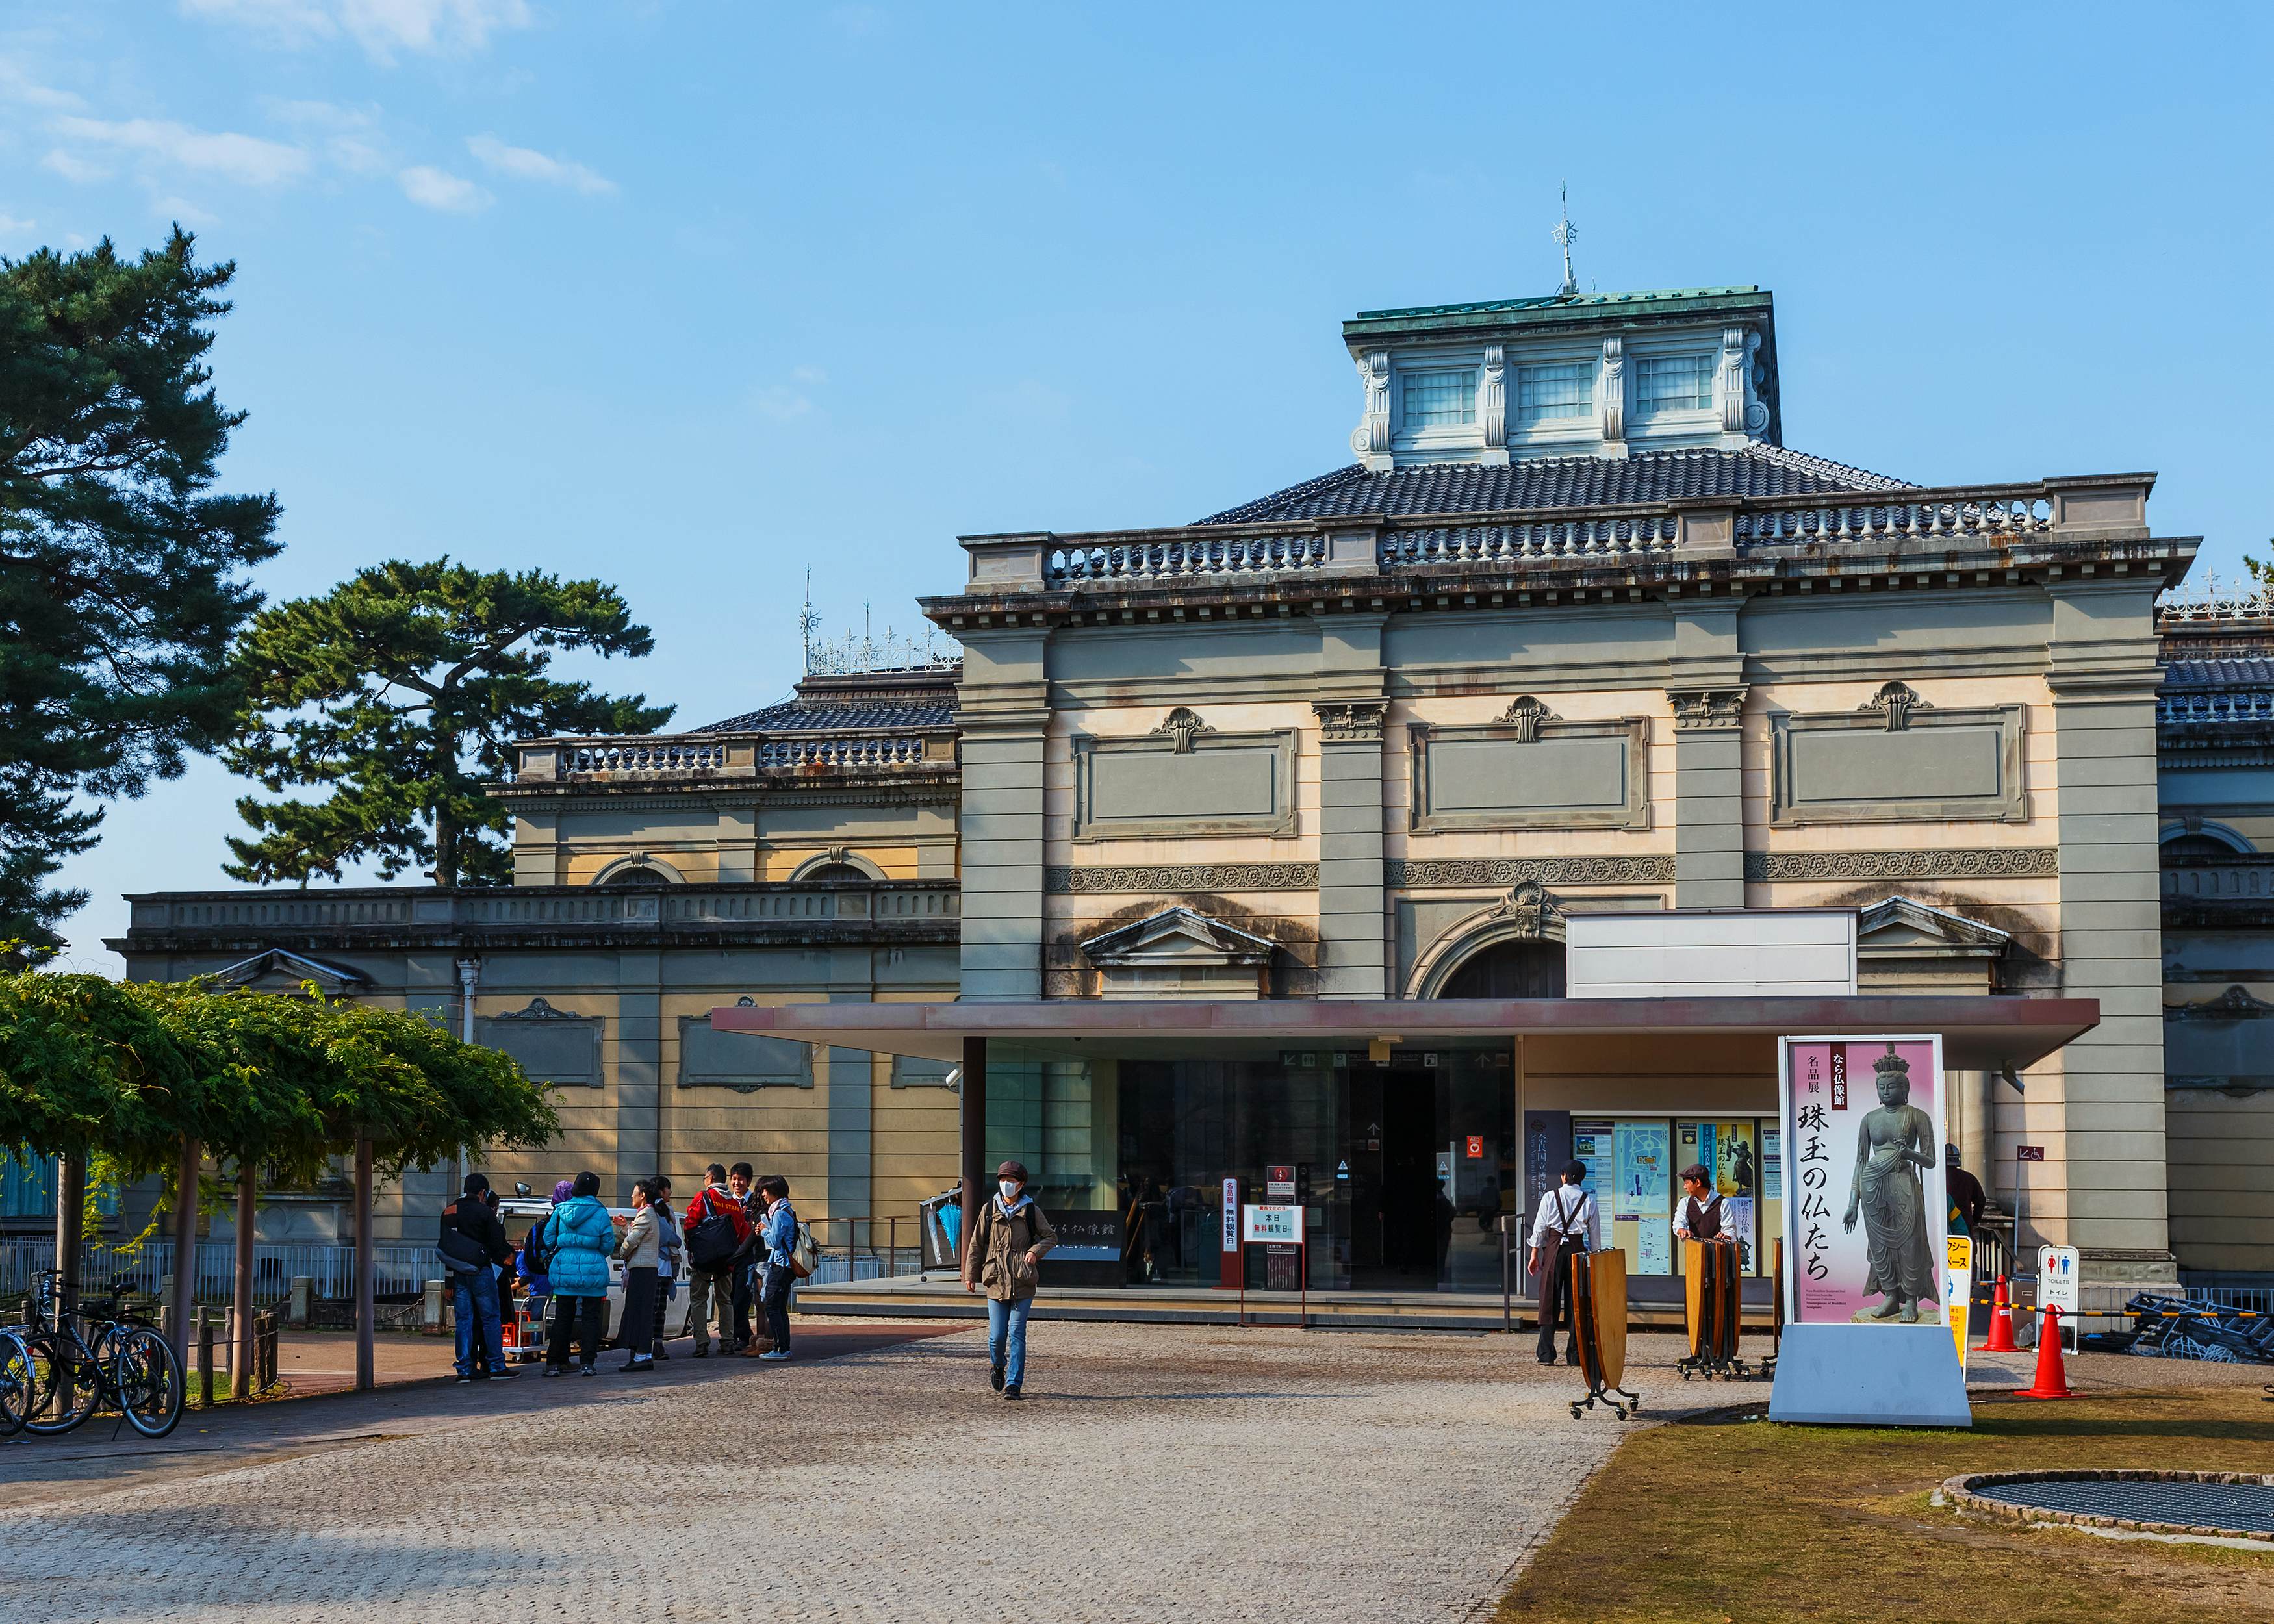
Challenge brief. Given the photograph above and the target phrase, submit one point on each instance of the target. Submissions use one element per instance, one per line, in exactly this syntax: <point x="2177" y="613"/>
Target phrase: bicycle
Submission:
<point x="18" y="1381"/>
<point x="129" y="1367"/>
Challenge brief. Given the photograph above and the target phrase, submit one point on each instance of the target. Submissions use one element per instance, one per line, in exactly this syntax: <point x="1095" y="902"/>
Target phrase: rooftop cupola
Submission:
<point x="1564" y="375"/>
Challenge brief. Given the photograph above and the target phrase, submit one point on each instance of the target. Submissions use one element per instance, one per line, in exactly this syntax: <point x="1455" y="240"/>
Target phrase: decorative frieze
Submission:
<point x="1418" y="874"/>
<point x="1707" y="710"/>
<point x="1170" y="878"/>
<point x="1953" y="862"/>
<point x="1350" y="720"/>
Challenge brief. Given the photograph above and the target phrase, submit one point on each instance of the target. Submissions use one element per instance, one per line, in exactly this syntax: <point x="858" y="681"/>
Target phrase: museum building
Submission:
<point x="1276" y="846"/>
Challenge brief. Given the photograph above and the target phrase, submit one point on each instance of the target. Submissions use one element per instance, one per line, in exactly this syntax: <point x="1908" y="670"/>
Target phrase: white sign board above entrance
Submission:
<point x="1736" y="953"/>
<point x="1267" y="1224"/>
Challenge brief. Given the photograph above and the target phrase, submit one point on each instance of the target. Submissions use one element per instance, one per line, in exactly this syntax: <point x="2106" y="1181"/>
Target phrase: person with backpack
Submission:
<point x="789" y="1259"/>
<point x="1567" y="1226"/>
<point x="1006" y="1255"/>
<point x="742" y="1183"/>
<point x="472" y="1244"/>
<point x="641" y="1248"/>
<point x="715" y="1228"/>
<point x="576" y="1240"/>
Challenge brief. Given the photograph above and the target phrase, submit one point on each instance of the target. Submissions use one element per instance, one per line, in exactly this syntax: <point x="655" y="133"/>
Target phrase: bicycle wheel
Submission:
<point x="66" y="1382"/>
<point x="18" y="1381"/>
<point x="146" y="1378"/>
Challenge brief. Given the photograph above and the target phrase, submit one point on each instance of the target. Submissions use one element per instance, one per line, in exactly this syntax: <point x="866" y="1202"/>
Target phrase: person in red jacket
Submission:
<point x="714" y="1227"/>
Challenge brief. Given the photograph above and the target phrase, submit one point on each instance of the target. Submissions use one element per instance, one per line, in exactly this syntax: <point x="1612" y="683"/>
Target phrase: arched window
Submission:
<point x="1531" y="969"/>
<point x="831" y="871"/>
<point x="637" y="874"/>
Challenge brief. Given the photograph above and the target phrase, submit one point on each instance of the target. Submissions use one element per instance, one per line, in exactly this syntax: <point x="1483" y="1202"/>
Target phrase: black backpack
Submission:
<point x="536" y="1256"/>
<point x="712" y="1243"/>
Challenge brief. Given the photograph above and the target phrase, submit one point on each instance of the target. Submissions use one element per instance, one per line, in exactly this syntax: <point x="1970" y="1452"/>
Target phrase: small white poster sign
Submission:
<point x="1274" y="1224"/>
<point x="1231" y="1214"/>
<point x="2057" y="1279"/>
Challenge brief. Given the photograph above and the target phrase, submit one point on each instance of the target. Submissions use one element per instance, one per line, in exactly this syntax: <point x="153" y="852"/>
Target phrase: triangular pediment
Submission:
<point x="1900" y="926"/>
<point x="1177" y="936"/>
<point x="276" y="970"/>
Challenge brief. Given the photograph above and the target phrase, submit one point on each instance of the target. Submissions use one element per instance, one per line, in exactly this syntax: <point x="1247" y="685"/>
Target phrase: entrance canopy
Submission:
<point x="1979" y="1033"/>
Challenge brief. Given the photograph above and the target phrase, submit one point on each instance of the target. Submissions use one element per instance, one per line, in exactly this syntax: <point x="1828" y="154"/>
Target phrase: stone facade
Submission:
<point x="1544" y="648"/>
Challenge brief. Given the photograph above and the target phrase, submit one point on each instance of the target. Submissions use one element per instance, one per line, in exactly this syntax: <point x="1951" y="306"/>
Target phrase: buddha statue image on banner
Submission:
<point x="1894" y="1145"/>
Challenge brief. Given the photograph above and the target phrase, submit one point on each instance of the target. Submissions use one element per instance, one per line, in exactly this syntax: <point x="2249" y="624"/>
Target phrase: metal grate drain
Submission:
<point x="2245" y="1508"/>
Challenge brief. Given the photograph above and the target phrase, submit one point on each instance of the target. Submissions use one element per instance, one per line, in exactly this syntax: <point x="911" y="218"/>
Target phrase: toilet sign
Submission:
<point x="2057" y="1271"/>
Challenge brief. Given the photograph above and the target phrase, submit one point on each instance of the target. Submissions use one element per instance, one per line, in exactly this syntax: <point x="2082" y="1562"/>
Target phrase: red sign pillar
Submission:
<point x="1231" y="1273"/>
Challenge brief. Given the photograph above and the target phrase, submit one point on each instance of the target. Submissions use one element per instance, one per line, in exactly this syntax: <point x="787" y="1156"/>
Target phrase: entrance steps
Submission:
<point x="942" y="1297"/>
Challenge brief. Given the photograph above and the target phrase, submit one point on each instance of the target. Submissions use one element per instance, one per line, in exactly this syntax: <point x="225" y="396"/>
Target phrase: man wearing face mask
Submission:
<point x="1004" y="1256"/>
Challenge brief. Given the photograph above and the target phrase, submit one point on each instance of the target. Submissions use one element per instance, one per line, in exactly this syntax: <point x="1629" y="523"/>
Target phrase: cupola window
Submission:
<point x="1440" y="399"/>
<point x="1546" y="392"/>
<point x="1674" y="383"/>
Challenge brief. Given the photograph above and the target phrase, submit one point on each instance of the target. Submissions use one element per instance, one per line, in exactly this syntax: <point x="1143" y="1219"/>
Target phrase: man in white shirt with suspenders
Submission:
<point x="1566" y="1226"/>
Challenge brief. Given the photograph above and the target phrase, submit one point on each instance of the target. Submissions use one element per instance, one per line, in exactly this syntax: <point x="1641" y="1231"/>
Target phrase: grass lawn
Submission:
<point x="1724" y="1519"/>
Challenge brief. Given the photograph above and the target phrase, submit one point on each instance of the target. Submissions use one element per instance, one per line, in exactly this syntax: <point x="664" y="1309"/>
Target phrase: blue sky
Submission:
<point x="695" y="296"/>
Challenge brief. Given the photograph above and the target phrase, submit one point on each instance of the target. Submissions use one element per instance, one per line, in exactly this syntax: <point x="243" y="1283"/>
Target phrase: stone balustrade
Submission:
<point x="2112" y="506"/>
<point x="392" y="912"/>
<point x="696" y="756"/>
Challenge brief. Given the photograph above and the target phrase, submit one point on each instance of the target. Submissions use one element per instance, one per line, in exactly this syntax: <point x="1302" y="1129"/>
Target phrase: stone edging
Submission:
<point x="1959" y="1491"/>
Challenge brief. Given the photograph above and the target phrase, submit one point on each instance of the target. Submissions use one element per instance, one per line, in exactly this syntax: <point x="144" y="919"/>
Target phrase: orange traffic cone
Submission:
<point x="2001" y="1324"/>
<point x="2052" y="1376"/>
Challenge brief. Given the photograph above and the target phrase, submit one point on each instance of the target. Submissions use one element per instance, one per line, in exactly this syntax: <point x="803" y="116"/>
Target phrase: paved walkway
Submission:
<point x="1157" y="1472"/>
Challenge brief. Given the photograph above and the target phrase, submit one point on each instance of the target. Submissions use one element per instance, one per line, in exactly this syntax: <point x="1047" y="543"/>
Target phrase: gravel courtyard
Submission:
<point x="1192" y="1473"/>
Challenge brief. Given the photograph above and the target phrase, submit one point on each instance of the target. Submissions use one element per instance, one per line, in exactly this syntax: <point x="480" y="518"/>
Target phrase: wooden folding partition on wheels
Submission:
<point x="1599" y="1326"/>
<point x="1712" y="1311"/>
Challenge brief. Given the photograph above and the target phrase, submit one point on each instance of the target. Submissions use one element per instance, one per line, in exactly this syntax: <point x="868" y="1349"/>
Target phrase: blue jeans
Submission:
<point x="1007" y="1323"/>
<point x="474" y="1305"/>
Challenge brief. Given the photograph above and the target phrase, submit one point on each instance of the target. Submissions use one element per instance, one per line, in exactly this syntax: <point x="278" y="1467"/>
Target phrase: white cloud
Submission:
<point x="808" y="374"/>
<point x="15" y="231"/>
<point x="382" y="27"/>
<point x="433" y="188"/>
<point x="18" y="88"/>
<point x="780" y="403"/>
<point x="525" y="164"/>
<point x="183" y="211"/>
<point x="76" y="169"/>
<point x="350" y="135"/>
<point x="245" y="159"/>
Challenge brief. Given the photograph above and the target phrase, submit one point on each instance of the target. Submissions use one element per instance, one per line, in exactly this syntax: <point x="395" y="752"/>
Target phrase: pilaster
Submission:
<point x="638" y="1035"/>
<point x="1002" y="707"/>
<point x="2103" y="1132"/>
<point x="1708" y="696"/>
<point x="1353" y="947"/>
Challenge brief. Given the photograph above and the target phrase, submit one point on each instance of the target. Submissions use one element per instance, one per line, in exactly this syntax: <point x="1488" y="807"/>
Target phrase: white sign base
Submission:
<point x="1870" y="1375"/>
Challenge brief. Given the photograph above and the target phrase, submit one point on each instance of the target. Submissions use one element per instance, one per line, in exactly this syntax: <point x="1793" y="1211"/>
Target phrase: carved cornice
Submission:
<point x="1351" y="719"/>
<point x="1707" y="710"/>
<point x="1172" y="878"/>
<point x="1956" y="862"/>
<point x="1421" y="874"/>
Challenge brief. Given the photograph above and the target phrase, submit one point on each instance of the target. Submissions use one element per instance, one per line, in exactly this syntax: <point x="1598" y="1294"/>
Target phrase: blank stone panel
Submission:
<point x="1225" y="784"/>
<point x="1942" y="765"/>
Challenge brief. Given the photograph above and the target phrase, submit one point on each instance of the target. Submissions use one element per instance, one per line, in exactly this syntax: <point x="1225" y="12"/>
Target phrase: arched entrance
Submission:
<point x="1514" y="969"/>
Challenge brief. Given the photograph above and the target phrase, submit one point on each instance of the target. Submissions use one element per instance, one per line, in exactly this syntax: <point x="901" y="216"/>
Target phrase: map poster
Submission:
<point x="1864" y="1217"/>
<point x="1591" y="1148"/>
<point x="1642" y="1189"/>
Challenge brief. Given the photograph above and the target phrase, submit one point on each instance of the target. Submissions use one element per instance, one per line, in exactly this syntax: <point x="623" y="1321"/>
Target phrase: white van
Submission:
<point x="518" y="1213"/>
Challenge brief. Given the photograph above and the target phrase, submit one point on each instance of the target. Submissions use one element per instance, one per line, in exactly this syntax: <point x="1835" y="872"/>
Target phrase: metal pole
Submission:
<point x="240" y="1358"/>
<point x="185" y="1244"/>
<point x="974" y="1148"/>
<point x="363" y="1259"/>
<point x="70" y="1214"/>
<point x="1507" y="1284"/>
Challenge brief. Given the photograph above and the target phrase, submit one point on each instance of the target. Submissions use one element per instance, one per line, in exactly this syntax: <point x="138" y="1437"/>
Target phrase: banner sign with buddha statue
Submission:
<point x="1864" y="1213"/>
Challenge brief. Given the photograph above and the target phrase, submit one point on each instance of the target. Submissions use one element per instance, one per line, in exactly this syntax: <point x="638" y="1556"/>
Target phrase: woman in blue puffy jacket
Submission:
<point x="579" y="1239"/>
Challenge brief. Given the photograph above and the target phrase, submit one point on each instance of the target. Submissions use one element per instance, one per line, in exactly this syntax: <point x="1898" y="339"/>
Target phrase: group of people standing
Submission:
<point x="735" y="1246"/>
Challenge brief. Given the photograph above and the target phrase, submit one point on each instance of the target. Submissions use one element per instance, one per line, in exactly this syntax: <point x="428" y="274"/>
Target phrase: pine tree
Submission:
<point x="121" y="571"/>
<point x="399" y="695"/>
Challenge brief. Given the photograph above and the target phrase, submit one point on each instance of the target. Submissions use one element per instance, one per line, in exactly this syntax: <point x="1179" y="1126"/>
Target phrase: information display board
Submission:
<point x="1262" y="1225"/>
<point x="1865" y="1222"/>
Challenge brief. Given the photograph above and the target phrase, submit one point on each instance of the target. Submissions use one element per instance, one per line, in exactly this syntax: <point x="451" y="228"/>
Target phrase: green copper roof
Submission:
<point x="1544" y="301"/>
<point x="1554" y="311"/>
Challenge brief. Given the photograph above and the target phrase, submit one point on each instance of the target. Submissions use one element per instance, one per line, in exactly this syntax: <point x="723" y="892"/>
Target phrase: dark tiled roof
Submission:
<point x="1558" y="482"/>
<point x="803" y="716"/>
<point x="2214" y="673"/>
